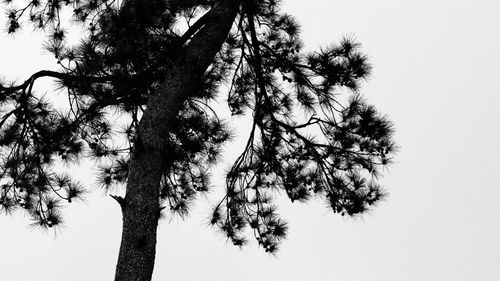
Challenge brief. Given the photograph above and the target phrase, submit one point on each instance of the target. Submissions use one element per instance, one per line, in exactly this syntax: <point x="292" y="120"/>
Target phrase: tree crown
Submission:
<point x="336" y="153"/>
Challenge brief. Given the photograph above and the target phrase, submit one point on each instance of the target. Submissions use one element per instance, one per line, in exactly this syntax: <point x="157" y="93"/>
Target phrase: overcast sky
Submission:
<point x="436" y="77"/>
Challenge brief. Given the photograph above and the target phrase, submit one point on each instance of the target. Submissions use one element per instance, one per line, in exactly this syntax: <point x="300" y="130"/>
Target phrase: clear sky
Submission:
<point x="435" y="75"/>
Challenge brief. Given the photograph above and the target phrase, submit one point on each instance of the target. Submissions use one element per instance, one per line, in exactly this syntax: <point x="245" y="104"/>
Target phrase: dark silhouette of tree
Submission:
<point x="158" y="64"/>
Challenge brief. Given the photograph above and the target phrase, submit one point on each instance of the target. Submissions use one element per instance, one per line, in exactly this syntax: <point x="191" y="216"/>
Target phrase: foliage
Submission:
<point x="335" y="153"/>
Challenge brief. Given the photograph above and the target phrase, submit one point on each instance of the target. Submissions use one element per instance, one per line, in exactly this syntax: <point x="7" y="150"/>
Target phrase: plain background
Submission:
<point x="435" y="75"/>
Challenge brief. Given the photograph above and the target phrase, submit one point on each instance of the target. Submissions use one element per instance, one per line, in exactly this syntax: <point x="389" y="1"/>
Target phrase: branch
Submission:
<point x="205" y="44"/>
<point x="194" y="28"/>
<point x="53" y="74"/>
<point x="258" y="57"/>
<point x="120" y="200"/>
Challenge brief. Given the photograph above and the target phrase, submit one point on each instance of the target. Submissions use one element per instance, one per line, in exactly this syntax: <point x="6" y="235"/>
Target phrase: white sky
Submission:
<point x="436" y="70"/>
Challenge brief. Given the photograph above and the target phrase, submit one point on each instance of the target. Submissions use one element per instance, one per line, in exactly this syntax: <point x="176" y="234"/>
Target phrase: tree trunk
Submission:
<point x="140" y="207"/>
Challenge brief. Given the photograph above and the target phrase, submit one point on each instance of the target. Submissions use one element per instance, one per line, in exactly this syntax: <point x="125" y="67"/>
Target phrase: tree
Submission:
<point x="159" y="64"/>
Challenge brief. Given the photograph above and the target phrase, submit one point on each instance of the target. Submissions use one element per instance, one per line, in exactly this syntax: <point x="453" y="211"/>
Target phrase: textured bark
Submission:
<point x="140" y="207"/>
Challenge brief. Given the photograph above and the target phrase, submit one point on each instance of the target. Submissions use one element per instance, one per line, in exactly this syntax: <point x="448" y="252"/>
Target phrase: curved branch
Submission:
<point x="52" y="74"/>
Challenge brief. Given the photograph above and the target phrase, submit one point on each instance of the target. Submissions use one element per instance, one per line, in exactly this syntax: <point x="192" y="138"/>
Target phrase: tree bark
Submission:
<point x="140" y="207"/>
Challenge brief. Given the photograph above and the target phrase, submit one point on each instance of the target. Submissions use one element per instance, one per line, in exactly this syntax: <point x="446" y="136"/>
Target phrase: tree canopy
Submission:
<point x="307" y="138"/>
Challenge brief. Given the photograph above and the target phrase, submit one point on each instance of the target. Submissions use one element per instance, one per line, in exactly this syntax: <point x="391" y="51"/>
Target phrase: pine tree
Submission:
<point x="159" y="64"/>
